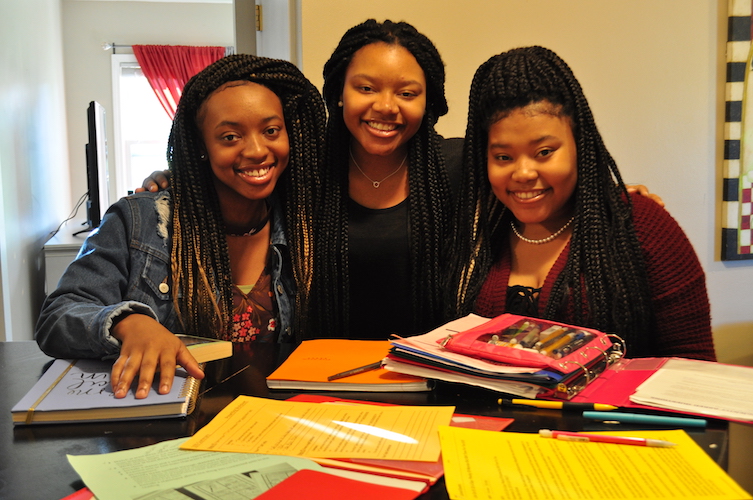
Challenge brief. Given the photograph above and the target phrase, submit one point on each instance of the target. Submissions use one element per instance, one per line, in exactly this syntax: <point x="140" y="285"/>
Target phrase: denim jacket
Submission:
<point x="124" y="267"/>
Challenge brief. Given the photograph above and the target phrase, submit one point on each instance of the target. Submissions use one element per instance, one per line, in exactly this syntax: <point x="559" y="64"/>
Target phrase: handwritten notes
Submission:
<point x="256" y="425"/>
<point x="83" y="384"/>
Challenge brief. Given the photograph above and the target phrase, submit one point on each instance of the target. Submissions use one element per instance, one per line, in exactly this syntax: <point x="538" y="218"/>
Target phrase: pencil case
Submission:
<point x="531" y="342"/>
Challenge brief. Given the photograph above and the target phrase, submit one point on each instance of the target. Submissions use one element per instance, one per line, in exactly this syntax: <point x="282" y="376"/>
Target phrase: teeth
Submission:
<point x="527" y="195"/>
<point x="382" y="126"/>
<point x="255" y="173"/>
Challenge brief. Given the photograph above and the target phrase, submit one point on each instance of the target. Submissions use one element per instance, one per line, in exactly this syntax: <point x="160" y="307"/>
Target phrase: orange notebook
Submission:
<point x="308" y="367"/>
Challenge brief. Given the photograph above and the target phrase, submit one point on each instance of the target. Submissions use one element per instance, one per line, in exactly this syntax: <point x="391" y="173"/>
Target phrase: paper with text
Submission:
<point x="713" y="389"/>
<point x="164" y="471"/>
<point x="257" y="425"/>
<point x="493" y="465"/>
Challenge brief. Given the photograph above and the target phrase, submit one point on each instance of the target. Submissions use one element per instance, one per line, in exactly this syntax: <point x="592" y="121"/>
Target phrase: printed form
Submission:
<point x="493" y="465"/>
<point x="714" y="389"/>
<point x="313" y="430"/>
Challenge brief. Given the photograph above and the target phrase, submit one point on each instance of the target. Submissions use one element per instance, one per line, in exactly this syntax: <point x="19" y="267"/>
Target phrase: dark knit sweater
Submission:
<point x="677" y="281"/>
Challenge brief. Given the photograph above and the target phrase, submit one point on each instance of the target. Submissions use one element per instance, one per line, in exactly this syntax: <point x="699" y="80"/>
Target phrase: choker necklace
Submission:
<point x="374" y="183"/>
<point x="543" y="240"/>
<point x="255" y="229"/>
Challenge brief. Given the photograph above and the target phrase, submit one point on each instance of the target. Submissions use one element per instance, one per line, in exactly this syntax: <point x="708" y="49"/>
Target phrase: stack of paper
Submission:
<point x="423" y="356"/>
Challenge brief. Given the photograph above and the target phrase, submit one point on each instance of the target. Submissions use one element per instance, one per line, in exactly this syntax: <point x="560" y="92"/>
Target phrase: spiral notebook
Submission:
<point x="80" y="391"/>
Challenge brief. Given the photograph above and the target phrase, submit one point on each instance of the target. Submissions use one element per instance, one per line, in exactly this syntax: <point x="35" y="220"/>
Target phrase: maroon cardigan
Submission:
<point x="676" y="278"/>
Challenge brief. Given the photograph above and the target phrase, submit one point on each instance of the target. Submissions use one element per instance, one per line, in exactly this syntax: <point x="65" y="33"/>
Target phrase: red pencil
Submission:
<point x="602" y="438"/>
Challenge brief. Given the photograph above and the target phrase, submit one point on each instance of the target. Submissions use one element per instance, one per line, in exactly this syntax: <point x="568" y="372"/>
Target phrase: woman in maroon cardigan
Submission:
<point x="554" y="232"/>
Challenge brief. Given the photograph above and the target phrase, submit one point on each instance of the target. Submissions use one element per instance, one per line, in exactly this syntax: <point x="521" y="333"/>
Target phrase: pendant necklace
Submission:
<point x="374" y="183"/>
<point x="543" y="240"/>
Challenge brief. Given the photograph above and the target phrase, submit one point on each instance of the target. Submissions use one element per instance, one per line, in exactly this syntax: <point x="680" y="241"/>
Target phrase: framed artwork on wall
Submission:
<point x="738" y="135"/>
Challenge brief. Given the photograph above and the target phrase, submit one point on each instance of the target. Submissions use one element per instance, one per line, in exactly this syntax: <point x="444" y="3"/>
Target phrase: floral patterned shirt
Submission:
<point x="254" y="312"/>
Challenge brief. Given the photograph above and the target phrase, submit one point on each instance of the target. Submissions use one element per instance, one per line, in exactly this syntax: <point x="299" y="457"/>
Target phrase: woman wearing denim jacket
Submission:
<point x="209" y="262"/>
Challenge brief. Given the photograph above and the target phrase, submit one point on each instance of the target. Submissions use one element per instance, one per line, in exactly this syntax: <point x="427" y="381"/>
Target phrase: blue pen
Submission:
<point x="637" y="418"/>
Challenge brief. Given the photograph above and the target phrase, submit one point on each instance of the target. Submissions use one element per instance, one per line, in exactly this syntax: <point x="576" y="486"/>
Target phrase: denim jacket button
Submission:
<point x="164" y="288"/>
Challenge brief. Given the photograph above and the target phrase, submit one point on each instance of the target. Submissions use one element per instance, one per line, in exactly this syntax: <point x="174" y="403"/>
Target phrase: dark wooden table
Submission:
<point x="33" y="462"/>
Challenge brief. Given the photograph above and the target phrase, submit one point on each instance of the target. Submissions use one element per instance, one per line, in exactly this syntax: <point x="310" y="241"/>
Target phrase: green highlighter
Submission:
<point x="638" y="418"/>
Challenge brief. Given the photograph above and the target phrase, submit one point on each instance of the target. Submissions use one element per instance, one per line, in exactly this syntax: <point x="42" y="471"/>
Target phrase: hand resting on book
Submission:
<point x="147" y="347"/>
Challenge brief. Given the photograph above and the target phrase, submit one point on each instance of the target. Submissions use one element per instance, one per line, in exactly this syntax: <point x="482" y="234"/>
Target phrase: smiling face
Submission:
<point x="532" y="164"/>
<point x="384" y="99"/>
<point x="244" y="134"/>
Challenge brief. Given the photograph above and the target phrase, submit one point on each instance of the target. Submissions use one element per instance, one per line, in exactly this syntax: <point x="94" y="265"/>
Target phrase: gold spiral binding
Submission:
<point x="190" y="391"/>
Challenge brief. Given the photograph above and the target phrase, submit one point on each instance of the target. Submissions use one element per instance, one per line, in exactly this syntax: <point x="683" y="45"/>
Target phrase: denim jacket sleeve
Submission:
<point x="283" y="283"/>
<point x="122" y="268"/>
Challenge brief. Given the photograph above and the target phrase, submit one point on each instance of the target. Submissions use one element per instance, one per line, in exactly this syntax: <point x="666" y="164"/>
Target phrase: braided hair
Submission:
<point x="427" y="178"/>
<point x="200" y="262"/>
<point x="605" y="263"/>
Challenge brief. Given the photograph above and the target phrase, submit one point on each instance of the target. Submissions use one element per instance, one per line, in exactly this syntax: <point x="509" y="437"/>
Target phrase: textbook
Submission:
<point x="206" y="349"/>
<point x="80" y="391"/>
<point x="313" y="361"/>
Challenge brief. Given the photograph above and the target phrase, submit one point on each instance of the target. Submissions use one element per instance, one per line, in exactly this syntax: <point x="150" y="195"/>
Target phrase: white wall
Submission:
<point x="87" y="25"/>
<point x="33" y="156"/>
<point x="653" y="73"/>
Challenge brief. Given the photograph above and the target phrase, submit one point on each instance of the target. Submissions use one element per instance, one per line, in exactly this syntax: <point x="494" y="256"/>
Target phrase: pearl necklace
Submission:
<point x="543" y="240"/>
<point x="374" y="183"/>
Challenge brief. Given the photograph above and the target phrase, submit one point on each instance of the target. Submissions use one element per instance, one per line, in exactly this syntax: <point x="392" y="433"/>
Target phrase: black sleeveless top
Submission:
<point x="379" y="267"/>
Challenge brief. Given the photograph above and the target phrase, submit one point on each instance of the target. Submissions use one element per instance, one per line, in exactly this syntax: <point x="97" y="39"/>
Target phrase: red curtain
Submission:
<point x="169" y="67"/>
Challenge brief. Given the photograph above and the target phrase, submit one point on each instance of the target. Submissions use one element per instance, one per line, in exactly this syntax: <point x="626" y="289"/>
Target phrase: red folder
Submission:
<point x="617" y="383"/>
<point x="315" y="485"/>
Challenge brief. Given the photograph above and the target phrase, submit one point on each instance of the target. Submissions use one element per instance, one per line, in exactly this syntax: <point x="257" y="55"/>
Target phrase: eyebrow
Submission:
<point x="533" y="142"/>
<point x="369" y="77"/>
<point x="225" y="123"/>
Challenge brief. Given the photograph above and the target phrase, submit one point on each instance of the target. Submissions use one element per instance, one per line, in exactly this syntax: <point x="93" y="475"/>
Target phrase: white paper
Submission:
<point x="713" y="389"/>
<point x="429" y="346"/>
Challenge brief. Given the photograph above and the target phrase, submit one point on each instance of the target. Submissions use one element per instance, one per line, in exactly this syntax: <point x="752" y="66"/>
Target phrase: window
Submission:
<point x="141" y="126"/>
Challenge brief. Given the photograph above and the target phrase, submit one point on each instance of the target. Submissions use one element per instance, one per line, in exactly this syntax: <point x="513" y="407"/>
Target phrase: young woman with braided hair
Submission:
<point x="547" y="228"/>
<point x="387" y="200"/>
<point x="210" y="256"/>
